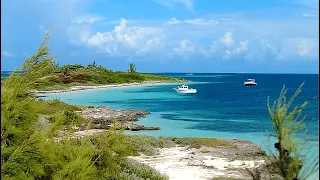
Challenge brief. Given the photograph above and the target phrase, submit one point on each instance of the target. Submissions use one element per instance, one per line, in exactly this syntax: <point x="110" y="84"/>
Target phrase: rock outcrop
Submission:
<point x="104" y="118"/>
<point x="105" y="115"/>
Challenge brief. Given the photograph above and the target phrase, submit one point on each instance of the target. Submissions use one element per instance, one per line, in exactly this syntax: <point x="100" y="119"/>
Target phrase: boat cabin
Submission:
<point x="184" y="87"/>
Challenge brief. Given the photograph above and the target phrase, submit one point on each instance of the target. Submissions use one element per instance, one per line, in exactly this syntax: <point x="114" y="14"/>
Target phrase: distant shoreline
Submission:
<point x="268" y="73"/>
<point x="82" y="88"/>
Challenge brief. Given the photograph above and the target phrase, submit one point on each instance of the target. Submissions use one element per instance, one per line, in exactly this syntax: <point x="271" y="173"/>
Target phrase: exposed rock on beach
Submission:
<point x="105" y="115"/>
<point x="103" y="118"/>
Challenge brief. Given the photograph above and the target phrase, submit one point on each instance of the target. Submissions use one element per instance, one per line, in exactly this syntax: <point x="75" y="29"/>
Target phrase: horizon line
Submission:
<point x="212" y="72"/>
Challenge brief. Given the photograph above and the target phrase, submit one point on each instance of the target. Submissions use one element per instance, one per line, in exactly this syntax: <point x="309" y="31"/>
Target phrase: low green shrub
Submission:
<point x="55" y="87"/>
<point x="133" y="170"/>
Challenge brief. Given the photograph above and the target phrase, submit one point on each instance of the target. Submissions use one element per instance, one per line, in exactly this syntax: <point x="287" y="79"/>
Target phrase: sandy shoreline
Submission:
<point x="81" y="88"/>
<point x="181" y="163"/>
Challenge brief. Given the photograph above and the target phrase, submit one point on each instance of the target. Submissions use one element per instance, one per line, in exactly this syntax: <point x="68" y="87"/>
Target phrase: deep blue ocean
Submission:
<point x="223" y="107"/>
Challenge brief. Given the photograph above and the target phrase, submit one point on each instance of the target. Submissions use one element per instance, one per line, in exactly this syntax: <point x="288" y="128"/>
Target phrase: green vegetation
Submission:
<point x="132" y="68"/>
<point x="198" y="142"/>
<point x="286" y="124"/>
<point x="148" y="145"/>
<point x="28" y="127"/>
<point x="204" y="151"/>
<point x="288" y="161"/>
<point x="66" y="76"/>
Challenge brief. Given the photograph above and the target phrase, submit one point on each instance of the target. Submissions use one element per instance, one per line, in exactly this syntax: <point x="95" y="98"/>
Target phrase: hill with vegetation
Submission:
<point x="75" y="75"/>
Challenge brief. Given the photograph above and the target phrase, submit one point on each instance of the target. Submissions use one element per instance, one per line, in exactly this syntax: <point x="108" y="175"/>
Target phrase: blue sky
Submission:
<point x="264" y="36"/>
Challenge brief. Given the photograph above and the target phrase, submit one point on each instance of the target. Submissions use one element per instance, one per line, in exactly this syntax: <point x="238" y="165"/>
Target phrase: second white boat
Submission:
<point x="184" y="89"/>
<point x="250" y="82"/>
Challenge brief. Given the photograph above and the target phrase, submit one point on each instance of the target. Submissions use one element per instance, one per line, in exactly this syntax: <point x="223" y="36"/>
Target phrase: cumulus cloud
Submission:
<point x="224" y="35"/>
<point x="296" y="48"/>
<point x="173" y="21"/>
<point x="243" y="46"/>
<point x="227" y="39"/>
<point x="185" y="47"/>
<point x="126" y="39"/>
<point x="6" y="53"/>
<point x="225" y="44"/>
<point x="134" y="38"/>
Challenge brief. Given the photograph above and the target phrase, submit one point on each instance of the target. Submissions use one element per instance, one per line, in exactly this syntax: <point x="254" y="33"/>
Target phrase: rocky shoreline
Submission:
<point x="103" y="117"/>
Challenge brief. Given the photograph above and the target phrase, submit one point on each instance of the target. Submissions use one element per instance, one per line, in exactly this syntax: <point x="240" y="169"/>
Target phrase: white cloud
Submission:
<point x="196" y="22"/>
<point x="185" y="47"/>
<point x="227" y="39"/>
<point x="125" y="39"/>
<point x="6" y="53"/>
<point x="243" y="46"/>
<point x="170" y="3"/>
<point x="201" y="22"/>
<point x="219" y="35"/>
<point x="294" y="48"/>
<point x="248" y="41"/>
<point x="307" y="15"/>
<point x="80" y="29"/>
<point x="173" y="21"/>
<point x="224" y="43"/>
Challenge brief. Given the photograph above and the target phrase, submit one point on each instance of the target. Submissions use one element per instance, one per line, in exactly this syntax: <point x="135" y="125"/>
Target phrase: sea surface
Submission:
<point x="223" y="107"/>
<point x="6" y="74"/>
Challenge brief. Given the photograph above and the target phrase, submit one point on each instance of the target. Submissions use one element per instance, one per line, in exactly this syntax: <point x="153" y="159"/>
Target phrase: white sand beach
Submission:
<point x="180" y="163"/>
<point x="80" y="88"/>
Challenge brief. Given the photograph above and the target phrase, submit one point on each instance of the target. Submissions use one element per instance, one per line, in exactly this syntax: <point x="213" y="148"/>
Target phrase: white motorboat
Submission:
<point x="250" y="82"/>
<point x="189" y="74"/>
<point x="184" y="89"/>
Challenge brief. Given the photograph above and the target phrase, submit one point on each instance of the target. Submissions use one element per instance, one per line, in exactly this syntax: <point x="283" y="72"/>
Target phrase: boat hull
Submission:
<point x="189" y="91"/>
<point x="250" y="84"/>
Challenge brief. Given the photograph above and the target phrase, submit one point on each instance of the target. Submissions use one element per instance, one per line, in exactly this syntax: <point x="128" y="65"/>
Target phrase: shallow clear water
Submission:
<point x="221" y="108"/>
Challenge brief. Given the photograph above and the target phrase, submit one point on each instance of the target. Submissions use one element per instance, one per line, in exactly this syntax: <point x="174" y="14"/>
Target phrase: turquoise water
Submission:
<point x="222" y="108"/>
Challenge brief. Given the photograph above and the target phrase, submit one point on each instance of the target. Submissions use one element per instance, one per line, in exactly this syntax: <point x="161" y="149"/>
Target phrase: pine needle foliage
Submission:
<point x="288" y="162"/>
<point x="30" y="151"/>
<point x="286" y="123"/>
